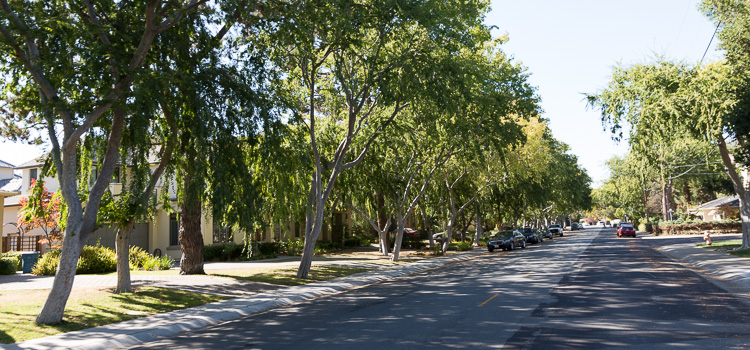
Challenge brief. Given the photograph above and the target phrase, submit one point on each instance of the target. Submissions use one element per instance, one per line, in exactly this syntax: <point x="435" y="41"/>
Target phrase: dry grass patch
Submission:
<point x="286" y="276"/>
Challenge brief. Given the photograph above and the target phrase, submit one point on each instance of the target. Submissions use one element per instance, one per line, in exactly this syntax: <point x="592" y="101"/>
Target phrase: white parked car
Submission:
<point x="556" y="229"/>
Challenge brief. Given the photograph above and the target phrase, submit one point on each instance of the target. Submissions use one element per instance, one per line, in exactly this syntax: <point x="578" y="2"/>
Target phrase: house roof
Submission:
<point x="34" y="163"/>
<point x="731" y="201"/>
<point x="4" y="164"/>
<point x="11" y="186"/>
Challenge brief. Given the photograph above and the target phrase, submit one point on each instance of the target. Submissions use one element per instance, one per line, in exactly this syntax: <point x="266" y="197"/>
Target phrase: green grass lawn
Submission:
<point x="730" y="244"/>
<point x="88" y="308"/>
<point x="286" y="276"/>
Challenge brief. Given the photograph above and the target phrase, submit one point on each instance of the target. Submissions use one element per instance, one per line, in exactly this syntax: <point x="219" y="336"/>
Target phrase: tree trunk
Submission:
<point x="449" y="232"/>
<point x="479" y="230"/>
<point x="308" y="250"/>
<point x="664" y="204"/>
<point x="190" y="237"/>
<point x="745" y="216"/>
<point x="427" y="225"/>
<point x="383" y="237"/>
<point x="122" y="240"/>
<point x="400" y="219"/>
<point x="54" y="307"/>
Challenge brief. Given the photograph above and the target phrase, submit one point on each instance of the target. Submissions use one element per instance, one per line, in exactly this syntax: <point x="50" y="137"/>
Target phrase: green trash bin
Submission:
<point x="28" y="260"/>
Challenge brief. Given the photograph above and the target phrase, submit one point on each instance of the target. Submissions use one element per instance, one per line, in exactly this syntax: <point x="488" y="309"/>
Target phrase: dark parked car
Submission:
<point x="556" y="230"/>
<point x="574" y="226"/>
<point x="626" y="229"/>
<point x="507" y="240"/>
<point x="545" y="233"/>
<point x="531" y="235"/>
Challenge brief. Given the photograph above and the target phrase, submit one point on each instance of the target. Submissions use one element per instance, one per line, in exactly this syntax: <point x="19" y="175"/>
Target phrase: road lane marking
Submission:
<point x="488" y="300"/>
<point x="527" y="275"/>
<point x="550" y="259"/>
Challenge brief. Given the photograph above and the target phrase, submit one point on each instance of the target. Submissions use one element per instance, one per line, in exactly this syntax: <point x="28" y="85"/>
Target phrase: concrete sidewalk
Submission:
<point x="731" y="272"/>
<point x="151" y="327"/>
<point x="197" y="283"/>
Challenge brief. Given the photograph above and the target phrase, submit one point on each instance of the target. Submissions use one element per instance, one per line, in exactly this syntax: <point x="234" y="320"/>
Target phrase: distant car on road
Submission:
<point x="626" y="229"/>
<point x="532" y="236"/>
<point x="506" y="240"/>
<point x="556" y="230"/>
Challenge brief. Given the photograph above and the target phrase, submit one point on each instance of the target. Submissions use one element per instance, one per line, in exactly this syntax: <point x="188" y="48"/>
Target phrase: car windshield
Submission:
<point x="554" y="226"/>
<point x="526" y="230"/>
<point x="504" y="235"/>
<point x="625" y="224"/>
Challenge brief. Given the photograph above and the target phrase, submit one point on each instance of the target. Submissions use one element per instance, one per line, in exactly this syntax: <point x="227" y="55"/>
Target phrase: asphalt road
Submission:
<point x="587" y="290"/>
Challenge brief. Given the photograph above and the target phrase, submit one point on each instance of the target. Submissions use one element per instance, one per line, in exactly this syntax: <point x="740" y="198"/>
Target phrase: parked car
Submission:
<point x="507" y="240"/>
<point x="545" y="234"/>
<point x="438" y="237"/>
<point x="556" y="230"/>
<point x="574" y="226"/>
<point x="532" y="236"/>
<point x="626" y="229"/>
<point x="410" y="233"/>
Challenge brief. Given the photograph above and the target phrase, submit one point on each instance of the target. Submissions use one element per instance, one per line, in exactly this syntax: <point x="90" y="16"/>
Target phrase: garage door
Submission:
<point x="106" y="237"/>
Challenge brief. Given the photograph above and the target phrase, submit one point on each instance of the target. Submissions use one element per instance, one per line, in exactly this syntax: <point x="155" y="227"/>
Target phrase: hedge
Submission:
<point x="685" y="227"/>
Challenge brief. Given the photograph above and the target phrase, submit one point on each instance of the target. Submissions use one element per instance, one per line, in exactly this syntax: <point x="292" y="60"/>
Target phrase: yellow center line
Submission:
<point x="488" y="300"/>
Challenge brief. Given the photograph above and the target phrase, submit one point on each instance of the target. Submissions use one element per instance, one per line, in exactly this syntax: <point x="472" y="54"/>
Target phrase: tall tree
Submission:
<point x="79" y="61"/>
<point x="660" y="98"/>
<point x="351" y="59"/>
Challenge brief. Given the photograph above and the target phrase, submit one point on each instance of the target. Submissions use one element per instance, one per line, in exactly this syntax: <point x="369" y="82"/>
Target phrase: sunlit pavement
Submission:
<point x="587" y="290"/>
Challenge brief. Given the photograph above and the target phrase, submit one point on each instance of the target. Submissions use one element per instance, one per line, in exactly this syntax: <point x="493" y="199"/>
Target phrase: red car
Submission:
<point x="626" y="229"/>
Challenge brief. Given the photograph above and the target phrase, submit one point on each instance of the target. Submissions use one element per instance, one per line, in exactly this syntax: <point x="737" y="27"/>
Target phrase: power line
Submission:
<point x="710" y="41"/>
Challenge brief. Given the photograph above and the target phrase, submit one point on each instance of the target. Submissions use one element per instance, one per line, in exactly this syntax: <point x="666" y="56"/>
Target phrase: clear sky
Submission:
<point x="570" y="47"/>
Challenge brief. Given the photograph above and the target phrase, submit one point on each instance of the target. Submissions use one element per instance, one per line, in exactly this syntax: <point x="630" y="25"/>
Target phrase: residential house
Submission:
<point x="10" y="186"/>
<point x="717" y="209"/>
<point x="158" y="236"/>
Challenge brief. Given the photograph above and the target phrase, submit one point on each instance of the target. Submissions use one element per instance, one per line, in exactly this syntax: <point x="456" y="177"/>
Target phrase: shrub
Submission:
<point x="8" y="265"/>
<point x="212" y="252"/>
<point x="14" y="255"/>
<point x="47" y="264"/>
<point x="232" y="251"/>
<point x="463" y="246"/>
<point x="223" y="252"/>
<point x="437" y="250"/>
<point x="153" y="263"/>
<point x="642" y="227"/>
<point x="268" y="248"/>
<point x="137" y="256"/>
<point x="695" y="226"/>
<point x="96" y="260"/>
<point x="352" y="242"/>
<point x="291" y="247"/>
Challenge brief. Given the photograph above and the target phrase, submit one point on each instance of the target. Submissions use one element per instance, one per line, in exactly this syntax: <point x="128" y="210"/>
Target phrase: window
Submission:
<point x="222" y="234"/>
<point x="116" y="175"/>
<point x="174" y="230"/>
<point x="33" y="174"/>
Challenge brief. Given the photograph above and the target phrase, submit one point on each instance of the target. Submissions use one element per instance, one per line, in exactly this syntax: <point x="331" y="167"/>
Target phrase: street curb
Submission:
<point x="149" y="328"/>
<point x="729" y="277"/>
